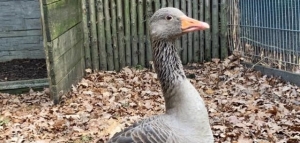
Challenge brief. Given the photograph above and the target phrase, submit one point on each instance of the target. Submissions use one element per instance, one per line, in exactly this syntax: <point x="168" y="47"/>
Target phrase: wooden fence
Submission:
<point x="119" y="34"/>
<point x="111" y="34"/>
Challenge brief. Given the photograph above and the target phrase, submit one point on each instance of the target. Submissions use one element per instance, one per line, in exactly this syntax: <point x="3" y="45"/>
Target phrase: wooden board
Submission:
<point x="284" y="75"/>
<point x="67" y="81"/>
<point x="64" y="44"/>
<point x="23" y="84"/>
<point x="67" y="41"/>
<point x="66" y="62"/>
<point x="60" y="16"/>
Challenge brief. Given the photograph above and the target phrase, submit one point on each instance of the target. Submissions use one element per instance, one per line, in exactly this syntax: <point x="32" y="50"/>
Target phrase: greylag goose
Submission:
<point x="186" y="119"/>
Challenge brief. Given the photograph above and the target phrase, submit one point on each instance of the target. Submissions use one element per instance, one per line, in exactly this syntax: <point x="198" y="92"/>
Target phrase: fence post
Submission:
<point x="101" y="35"/>
<point x="134" y="48"/>
<point x="148" y="42"/>
<point x="141" y="34"/>
<point x="127" y="32"/>
<point x="207" y="32"/>
<point x="201" y="35"/>
<point x="120" y="34"/>
<point x="196" y="38"/>
<point x="215" y="29"/>
<point x="223" y="29"/>
<point x="109" y="48"/>
<point x="114" y="35"/>
<point x="184" y="40"/>
<point x="190" y="35"/>
<point x="86" y="44"/>
<point x="94" y="43"/>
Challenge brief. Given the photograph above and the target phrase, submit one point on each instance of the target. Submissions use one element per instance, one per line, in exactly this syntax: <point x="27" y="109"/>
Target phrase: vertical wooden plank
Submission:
<point x="134" y="37"/>
<point x="54" y="96"/>
<point x="207" y="32"/>
<point x="177" y="4"/>
<point x="86" y="44"/>
<point x="148" y="42"/>
<point x="190" y="35"/>
<point x="215" y="29"/>
<point x="178" y="42"/>
<point x="120" y="34"/>
<point x="114" y="34"/>
<point x="141" y="34"/>
<point x="94" y="43"/>
<point x="101" y="35"/>
<point x="127" y="32"/>
<point x="109" y="48"/>
<point x="184" y="38"/>
<point x="163" y="3"/>
<point x="223" y="29"/>
<point x="196" y="38"/>
<point x="170" y="3"/>
<point x="201" y="35"/>
<point x="157" y="4"/>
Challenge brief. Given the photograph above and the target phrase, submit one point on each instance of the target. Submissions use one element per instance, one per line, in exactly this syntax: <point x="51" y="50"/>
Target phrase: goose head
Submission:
<point x="170" y="23"/>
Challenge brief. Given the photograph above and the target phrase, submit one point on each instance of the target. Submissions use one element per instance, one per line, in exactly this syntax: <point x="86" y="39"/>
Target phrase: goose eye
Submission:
<point x="169" y="17"/>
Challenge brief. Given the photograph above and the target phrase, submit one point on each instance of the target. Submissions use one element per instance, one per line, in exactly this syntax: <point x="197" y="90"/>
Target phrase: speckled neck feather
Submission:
<point x="167" y="64"/>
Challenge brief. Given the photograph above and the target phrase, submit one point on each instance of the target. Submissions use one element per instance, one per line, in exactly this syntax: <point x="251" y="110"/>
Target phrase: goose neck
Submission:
<point x="167" y="64"/>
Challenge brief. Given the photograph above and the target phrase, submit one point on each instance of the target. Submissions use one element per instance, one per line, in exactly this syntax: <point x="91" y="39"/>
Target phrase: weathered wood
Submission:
<point x="148" y="42"/>
<point x="63" y="64"/>
<point x="190" y="35"/>
<point x="223" y="29"/>
<point x="65" y="42"/>
<point x="46" y="47"/>
<point x="65" y="84"/>
<point x="94" y="38"/>
<point x="163" y="3"/>
<point x="109" y="48"/>
<point x="120" y="26"/>
<point x="141" y="34"/>
<point x="127" y="32"/>
<point x="10" y="34"/>
<point x="177" y="4"/>
<point x="157" y="4"/>
<point x="16" y="15"/>
<point x="196" y="38"/>
<point x="178" y="42"/>
<point x="65" y="51"/>
<point x="87" y="53"/>
<point x="114" y="35"/>
<point x="215" y="29"/>
<point x="60" y="16"/>
<point x="184" y="38"/>
<point x="101" y="35"/>
<point x="201" y="35"/>
<point x="134" y="38"/>
<point x="8" y="85"/>
<point x="284" y="75"/>
<point x="49" y="1"/>
<point x="207" y="33"/>
<point x="28" y="54"/>
<point x="170" y="3"/>
<point x="21" y="43"/>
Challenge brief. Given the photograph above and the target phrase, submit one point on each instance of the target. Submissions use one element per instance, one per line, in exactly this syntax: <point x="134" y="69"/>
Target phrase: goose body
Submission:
<point x="186" y="119"/>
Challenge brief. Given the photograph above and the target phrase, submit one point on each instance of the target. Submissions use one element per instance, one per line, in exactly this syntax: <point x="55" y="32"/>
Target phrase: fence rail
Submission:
<point x="119" y="35"/>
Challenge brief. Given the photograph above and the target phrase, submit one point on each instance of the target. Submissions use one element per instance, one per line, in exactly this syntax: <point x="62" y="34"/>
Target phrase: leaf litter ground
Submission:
<point x="244" y="106"/>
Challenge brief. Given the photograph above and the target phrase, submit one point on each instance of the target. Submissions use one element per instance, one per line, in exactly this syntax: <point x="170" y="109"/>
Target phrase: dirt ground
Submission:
<point x="244" y="106"/>
<point x="23" y="69"/>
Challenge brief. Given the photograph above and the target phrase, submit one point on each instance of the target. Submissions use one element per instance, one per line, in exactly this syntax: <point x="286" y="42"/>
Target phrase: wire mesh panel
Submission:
<point x="266" y="32"/>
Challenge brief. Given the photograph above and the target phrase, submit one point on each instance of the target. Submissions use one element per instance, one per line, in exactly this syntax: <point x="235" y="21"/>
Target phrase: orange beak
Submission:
<point x="189" y="24"/>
